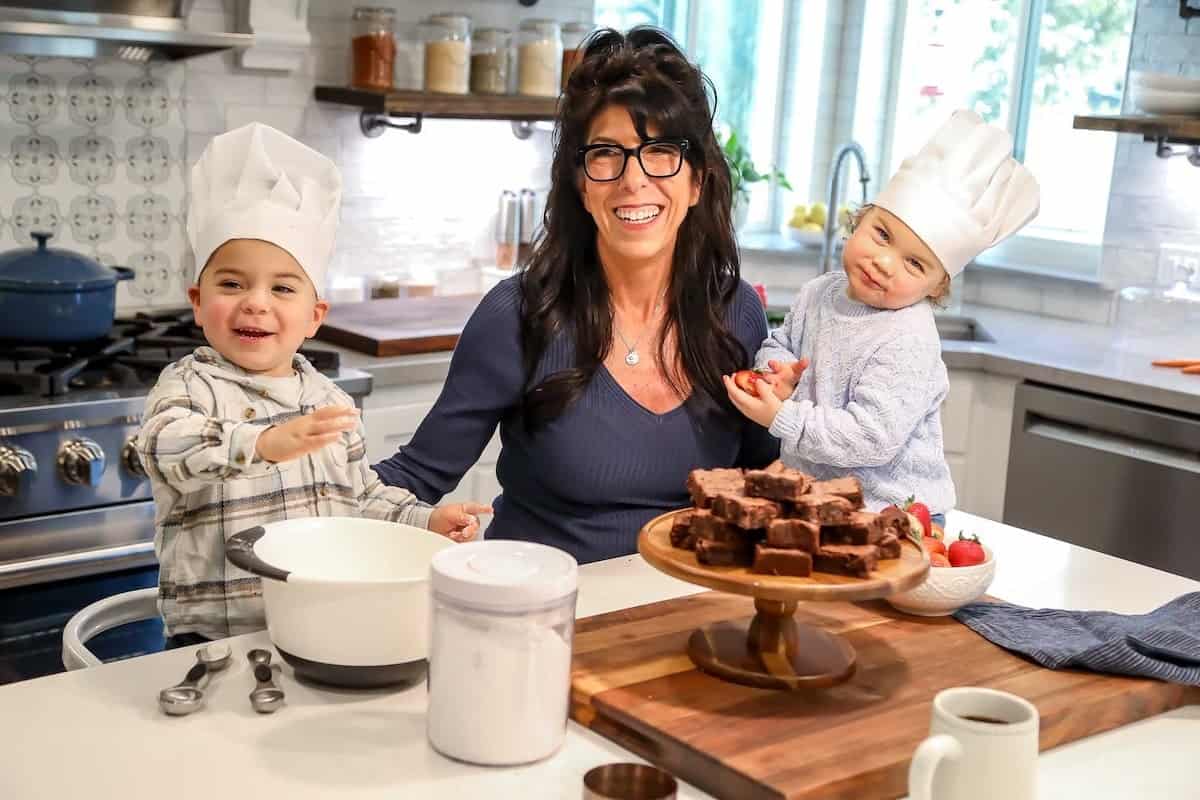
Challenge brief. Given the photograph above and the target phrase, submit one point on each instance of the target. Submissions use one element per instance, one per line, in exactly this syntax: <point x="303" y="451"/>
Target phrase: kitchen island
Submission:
<point x="99" y="733"/>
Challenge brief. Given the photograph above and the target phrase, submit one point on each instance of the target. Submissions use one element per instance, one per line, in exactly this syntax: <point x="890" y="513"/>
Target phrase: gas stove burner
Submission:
<point x="131" y="357"/>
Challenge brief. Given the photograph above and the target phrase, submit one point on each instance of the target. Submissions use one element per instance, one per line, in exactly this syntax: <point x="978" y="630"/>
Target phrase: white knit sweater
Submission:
<point x="869" y="403"/>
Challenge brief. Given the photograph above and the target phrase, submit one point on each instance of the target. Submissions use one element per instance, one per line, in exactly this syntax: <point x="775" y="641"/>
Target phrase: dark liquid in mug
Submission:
<point x="989" y="720"/>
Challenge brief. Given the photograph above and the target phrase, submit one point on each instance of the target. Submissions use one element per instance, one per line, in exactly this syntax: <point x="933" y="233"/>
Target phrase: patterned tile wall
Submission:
<point x="92" y="153"/>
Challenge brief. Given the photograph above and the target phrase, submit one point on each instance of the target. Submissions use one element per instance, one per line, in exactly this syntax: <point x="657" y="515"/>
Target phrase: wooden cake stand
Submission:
<point x="773" y="650"/>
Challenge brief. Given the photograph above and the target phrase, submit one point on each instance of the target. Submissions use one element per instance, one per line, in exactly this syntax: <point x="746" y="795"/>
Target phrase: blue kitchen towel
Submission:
<point x="1163" y="644"/>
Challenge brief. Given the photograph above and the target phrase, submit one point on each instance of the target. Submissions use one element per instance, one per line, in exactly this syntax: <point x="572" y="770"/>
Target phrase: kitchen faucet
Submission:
<point x="835" y="188"/>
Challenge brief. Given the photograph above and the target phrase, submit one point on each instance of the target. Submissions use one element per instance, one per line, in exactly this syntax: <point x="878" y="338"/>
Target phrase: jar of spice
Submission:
<point x="447" y="53"/>
<point x="539" y="59"/>
<point x="372" y="48"/>
<point x="574" y="36"/>
<point x="503" y="620"/>
<point x="489" y="60"/>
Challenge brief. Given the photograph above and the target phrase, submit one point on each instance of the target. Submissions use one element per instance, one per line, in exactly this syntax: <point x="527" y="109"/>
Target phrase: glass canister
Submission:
<point x="574" y="35"/>
<point x="489" y="60"/>
<point x="539" y="58"/>
<point x="503" y="622"/>
<point x="447" y="53"/>
<point x="372" y="48"/>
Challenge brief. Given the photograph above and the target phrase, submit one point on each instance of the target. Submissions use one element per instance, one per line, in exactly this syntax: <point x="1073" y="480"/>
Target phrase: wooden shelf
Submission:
<point x="1170" y="129"/>
<point x="446" y="106"/>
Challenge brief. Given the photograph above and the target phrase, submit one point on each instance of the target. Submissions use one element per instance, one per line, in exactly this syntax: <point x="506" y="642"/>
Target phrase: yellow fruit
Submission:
<point x="818" y="213"/>
<point x="800" y="212"/>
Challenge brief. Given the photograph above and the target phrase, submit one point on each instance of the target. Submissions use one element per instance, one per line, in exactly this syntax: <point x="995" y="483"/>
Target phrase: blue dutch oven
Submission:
<point x="56" y="295"/>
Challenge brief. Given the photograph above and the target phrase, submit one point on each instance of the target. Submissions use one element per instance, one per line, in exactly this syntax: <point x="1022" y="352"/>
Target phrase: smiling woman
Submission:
<point x="602" y="361"/>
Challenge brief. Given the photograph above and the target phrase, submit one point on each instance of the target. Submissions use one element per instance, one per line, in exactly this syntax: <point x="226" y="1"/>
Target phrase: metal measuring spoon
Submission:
<point x="266" y="697"/>
<point x="188" y="695"/>
<point x="215" y="656"/>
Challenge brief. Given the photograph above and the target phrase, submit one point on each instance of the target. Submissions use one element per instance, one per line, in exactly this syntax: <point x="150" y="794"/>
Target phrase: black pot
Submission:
<point x="56" y="295"/>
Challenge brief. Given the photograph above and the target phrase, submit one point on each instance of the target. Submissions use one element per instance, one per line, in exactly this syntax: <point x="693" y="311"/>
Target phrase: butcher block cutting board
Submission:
<point x="632" y="682"/>
<point x="399" y="327"/>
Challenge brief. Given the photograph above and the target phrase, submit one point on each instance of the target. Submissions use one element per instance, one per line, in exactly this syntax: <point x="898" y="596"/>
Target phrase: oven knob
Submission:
<point x="81" y="462"/>
<point x="131" y="459"/>
<point x="17" y="466"/>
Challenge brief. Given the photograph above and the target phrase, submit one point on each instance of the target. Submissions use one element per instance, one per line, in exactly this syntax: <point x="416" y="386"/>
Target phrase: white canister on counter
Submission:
<point x="500" y="651"/>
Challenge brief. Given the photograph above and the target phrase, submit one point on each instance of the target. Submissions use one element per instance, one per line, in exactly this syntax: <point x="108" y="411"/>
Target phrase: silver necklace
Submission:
<point x="632" y="358"/>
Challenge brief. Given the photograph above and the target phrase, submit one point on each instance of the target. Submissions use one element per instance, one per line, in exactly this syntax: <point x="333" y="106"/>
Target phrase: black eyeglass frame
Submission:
<point x="581" y="157"/>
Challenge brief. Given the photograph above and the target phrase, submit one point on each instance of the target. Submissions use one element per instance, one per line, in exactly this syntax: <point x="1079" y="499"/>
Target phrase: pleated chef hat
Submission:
<point x="963" y="191"/>
<point x="258" y="183"/>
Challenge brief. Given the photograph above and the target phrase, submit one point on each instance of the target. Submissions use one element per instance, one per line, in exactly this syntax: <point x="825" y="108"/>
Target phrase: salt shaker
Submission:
<point x="508" y="230"/>
<point x="500" y="651"/>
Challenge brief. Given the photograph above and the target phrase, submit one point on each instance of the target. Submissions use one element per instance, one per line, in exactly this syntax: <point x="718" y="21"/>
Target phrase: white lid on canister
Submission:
<point x="504" y="575"/>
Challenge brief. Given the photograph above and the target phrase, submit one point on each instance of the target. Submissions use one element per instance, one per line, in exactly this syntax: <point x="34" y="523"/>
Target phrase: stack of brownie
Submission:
<point x="781" y="522"/>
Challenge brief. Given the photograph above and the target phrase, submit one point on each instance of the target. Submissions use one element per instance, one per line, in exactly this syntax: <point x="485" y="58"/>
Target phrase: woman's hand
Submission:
<point x="762" y="408"/>
<point x="784" y="376"/>
<point x="457" y="521"/>
<point x="306" y="434"/>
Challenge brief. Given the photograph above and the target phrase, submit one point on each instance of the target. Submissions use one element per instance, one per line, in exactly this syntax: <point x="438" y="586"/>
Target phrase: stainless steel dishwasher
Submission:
<point x="1112" y="476"/>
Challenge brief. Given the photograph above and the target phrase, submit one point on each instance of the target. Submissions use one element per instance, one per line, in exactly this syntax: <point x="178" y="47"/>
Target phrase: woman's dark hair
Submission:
<point x="563" y="286"/>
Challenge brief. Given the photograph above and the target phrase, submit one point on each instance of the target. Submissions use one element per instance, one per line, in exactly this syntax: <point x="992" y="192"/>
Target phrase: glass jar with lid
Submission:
<point x="574" y="36"/>
<point x="539" y="58"/>
<point x="372" y="48"/>
<point x="489" y="60"/>
<point x="447" y="53"/>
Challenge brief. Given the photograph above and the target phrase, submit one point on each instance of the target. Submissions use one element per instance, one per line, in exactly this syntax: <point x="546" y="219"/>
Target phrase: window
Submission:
<point x="1031" y="66"/>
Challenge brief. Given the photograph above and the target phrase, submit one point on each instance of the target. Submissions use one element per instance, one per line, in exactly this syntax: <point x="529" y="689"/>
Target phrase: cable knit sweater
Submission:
<point x="869" y="403"/>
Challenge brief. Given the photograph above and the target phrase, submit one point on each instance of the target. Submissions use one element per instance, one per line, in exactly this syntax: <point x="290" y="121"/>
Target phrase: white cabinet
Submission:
<point x="392" y="414"/>
<point x="976" y="423"/>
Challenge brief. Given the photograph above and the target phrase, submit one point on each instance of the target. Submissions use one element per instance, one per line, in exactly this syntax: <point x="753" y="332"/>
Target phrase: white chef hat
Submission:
<point x="258" y="183"/>
<point x="963" y="191"/>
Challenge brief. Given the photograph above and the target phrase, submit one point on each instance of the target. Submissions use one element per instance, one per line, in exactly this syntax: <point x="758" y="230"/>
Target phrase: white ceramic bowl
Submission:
<point x="947" y="589"/>
<point x="1164" y="101"/>
<point x="1163" y="80"/>
<point x="811" y="238"/>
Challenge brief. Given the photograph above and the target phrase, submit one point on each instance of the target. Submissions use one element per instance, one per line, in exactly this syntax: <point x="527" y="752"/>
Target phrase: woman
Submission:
<point x="602" y="361"/>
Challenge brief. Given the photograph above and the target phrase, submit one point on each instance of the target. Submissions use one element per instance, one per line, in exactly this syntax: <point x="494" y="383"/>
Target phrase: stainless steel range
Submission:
<point x="75" y="505"/>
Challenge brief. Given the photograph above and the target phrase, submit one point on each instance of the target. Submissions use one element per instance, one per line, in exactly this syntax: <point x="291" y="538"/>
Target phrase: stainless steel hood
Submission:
<point x="135" y="30"/>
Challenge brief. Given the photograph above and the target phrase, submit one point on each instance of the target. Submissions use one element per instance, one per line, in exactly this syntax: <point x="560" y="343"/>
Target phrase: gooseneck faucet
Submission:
<point x="835" y="188"/>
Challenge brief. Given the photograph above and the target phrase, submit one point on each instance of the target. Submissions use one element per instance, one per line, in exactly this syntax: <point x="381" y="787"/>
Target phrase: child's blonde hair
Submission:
<point x="941" y="293"/>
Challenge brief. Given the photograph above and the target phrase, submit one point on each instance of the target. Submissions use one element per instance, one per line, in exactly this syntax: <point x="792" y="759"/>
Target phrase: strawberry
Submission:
<point x="938" y="560"/>
<point x="747" y="380"/>
<point x="933" y="545"/>
<point x="966" y="552"/>
<point x="938" y="531"/>
<point x="921" y="512"/>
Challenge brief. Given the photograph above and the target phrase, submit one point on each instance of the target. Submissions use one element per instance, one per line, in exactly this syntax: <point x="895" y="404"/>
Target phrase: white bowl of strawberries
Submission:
<point x="958" y="574"/>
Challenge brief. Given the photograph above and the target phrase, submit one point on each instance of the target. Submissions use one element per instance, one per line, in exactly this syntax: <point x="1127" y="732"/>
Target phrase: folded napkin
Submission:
<point x="1163" y="644"/>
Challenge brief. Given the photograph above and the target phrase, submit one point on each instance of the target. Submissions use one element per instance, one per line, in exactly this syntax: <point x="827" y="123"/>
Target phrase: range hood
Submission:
<point x="134" y="30"/>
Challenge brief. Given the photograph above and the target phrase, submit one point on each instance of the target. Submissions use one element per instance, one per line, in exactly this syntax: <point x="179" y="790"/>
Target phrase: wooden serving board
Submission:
<point x="398" y="327"/>
<point x="633" y="682"/>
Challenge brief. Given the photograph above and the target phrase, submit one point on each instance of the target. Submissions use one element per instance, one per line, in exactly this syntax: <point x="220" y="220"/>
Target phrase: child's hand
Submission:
<point x="784" y="376"/>
<point x="457" y="520"/>
<point x="762" y="409"/>
<point x="305" y="434"/>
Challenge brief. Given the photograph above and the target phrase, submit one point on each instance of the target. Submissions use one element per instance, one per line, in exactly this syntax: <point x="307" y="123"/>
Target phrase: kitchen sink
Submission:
<point x="950" y="328"/>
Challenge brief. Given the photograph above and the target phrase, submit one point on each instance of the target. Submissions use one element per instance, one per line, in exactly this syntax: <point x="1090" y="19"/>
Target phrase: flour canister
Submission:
<point x="503" y="619"/>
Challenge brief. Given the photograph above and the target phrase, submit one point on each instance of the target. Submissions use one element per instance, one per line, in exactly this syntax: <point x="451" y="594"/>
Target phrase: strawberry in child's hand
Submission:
<point x="921" y="512"/>
<point x="966" y="552"/>
<point x="747" y="380"/>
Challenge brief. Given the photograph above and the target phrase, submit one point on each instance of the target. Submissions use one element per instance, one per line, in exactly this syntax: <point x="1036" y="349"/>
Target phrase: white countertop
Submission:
<point x="99" y="733"/>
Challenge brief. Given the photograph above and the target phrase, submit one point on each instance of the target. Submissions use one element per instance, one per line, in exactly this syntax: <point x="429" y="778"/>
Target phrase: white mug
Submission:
<point x="982" y="745"/>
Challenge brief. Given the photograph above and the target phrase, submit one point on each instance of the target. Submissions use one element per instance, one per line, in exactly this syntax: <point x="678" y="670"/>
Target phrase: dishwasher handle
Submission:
<point x="1125" y="446"/>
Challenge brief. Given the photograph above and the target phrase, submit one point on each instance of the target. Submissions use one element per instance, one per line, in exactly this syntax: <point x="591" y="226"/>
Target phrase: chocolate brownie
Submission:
<point x="778" y="561"/>
<point x="704" y="484"/>
<point x="889" y="546"/>
<point x="777" y="483"/>
<point x="855" y="560"/>
<point x="709" y="527"/>
<point x="863" y="527"/>
<point x="682" y="535"/>
<point x="745" y="512"/>
<point x="724" y="554"/>
<point x="847" y="487"/>
<point x="823" y="509"/>
<point x="894" y="521"/>
<point x="795" y="534"/>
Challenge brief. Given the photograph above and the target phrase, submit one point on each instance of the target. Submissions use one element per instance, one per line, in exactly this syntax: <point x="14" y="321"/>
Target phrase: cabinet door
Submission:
<point x="390" y="427"/>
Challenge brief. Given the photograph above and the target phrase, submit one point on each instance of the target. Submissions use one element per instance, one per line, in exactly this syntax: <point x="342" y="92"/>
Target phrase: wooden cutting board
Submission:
<point x="399" y="327"/>
<point x="633" y="683"/>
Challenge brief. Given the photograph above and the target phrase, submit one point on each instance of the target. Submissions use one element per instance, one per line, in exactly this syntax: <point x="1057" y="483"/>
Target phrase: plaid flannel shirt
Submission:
<point x="197" y="442"/>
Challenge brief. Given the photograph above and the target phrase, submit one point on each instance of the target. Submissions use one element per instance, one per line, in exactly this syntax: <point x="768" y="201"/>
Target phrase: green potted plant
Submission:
<point x="743" y="172"/>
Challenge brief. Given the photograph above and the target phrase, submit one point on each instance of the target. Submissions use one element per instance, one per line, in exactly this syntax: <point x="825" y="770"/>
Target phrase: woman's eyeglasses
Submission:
<point x="659" y="158"/>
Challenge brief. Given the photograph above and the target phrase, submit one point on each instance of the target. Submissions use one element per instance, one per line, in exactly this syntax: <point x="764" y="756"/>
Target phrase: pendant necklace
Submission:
<point x="632" y="357"/>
